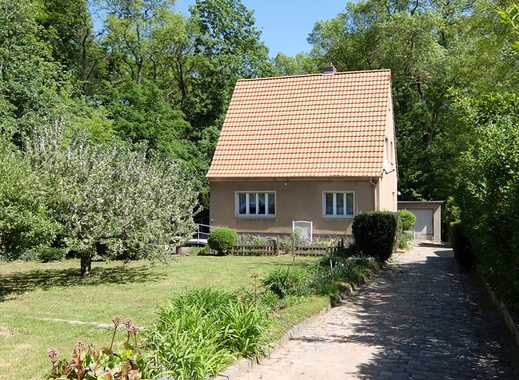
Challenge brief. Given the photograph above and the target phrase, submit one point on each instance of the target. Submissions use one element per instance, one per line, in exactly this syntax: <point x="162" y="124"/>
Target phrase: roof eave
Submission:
<point x="292" y="178"/>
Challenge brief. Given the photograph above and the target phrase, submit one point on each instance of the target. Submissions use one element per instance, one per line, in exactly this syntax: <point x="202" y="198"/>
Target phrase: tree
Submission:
<point x="25" y="222"/>
<point x="141" y="113"/>
<point x="510" y="16"/>
<point x="111" y="200"/>
<point x="487" y="191"/>
<point x="229" y="48"/>
<point x="69" y="32"/>
<point x="32" y="84"/>
<point x="300" y="64"/>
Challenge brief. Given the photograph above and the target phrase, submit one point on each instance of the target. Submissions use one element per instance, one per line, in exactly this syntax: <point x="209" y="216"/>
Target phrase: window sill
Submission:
<point x="255" y="216"/>
<point x="348" y="217"/>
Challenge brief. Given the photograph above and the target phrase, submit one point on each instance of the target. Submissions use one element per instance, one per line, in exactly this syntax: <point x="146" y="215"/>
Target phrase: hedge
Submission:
<point x="376" y="233"/>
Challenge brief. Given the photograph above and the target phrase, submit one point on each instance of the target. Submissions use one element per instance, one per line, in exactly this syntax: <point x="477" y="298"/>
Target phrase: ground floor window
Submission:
<point x="338" y="204"/>
<point x="257" y="203"/>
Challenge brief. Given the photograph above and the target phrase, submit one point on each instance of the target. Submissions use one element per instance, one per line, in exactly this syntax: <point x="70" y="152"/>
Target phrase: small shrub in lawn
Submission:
<point x="203" y="330"/>
<point x="222" y="240"/>
<point x="288" y="282"/>
<point x="376" y="233"/>
<point x="461" y="245"/>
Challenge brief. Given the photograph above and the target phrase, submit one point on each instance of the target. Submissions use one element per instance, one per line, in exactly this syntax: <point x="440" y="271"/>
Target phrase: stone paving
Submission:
<point x="420" y="319"/>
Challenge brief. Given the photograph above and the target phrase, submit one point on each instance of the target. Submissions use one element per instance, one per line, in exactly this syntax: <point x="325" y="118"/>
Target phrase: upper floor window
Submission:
<point x="338" y="204"/>
<point x="259" y="204"/>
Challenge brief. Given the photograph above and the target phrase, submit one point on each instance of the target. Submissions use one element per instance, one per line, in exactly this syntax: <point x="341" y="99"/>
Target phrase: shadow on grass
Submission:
<point x="22" y="282"/>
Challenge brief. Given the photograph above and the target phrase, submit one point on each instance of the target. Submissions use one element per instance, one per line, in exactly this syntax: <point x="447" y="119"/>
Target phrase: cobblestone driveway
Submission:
<point x="421" y="319"/>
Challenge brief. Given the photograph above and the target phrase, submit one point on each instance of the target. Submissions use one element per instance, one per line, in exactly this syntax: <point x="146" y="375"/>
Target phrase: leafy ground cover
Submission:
<point x="44" y="305"/>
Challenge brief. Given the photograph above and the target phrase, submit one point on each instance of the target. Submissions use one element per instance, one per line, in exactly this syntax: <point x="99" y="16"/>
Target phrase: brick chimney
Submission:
<point x="329" y="69"/>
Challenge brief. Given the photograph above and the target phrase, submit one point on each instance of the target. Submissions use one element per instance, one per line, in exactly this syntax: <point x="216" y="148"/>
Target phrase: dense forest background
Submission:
<point x="155" y="77"/>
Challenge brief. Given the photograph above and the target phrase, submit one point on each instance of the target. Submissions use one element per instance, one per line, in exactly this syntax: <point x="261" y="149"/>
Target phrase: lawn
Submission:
<point x="44" y="305"/>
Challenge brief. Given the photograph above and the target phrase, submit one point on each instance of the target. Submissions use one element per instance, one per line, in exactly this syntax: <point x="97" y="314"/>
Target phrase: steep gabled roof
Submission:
<point x="322" y="125"/>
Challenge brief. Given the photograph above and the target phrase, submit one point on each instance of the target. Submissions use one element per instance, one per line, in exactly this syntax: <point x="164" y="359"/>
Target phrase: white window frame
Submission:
<point x="335" y="216"/>
<point x="247" y="215"/>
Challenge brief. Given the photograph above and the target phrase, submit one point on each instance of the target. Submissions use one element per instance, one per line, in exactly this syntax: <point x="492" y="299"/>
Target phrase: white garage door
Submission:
<point x="424" y="224"/>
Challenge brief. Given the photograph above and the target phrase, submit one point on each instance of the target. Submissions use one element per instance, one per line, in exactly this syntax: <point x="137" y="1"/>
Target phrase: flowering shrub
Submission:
<point x="111" y="200"/>
<point x="89" y="363"/>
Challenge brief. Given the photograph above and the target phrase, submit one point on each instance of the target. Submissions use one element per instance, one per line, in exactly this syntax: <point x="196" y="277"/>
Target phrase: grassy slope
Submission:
<point x="30" y="293"/>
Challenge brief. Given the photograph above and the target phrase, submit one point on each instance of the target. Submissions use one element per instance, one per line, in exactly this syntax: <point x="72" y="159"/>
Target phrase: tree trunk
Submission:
<point x="86" y="265"/>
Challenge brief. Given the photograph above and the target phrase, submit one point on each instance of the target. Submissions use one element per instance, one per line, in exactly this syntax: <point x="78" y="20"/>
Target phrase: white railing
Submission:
<point x="202" y="232"/>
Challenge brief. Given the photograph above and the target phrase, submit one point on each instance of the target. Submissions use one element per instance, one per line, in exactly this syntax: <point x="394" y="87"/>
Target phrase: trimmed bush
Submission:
<point x="461" y="245"/>
<point x="376" y="233"/>
<point x="222" y="240"/>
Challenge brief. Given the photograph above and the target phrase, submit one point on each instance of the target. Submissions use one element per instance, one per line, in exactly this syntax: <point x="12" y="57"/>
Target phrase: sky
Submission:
<point x="285" y="24"/>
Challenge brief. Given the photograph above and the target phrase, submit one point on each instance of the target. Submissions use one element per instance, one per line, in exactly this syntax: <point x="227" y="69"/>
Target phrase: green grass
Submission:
<point x="37" y="300"/>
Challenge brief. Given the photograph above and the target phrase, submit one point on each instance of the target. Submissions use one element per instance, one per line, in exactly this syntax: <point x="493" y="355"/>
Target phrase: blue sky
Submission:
<point x="285" y="24"/>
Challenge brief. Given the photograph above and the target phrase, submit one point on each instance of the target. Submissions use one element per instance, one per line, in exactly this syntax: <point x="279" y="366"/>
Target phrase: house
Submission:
<point x="318" y="148"/>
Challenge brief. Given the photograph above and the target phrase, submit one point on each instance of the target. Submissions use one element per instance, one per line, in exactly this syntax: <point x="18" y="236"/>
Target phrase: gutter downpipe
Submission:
<point x="373" y="182"/>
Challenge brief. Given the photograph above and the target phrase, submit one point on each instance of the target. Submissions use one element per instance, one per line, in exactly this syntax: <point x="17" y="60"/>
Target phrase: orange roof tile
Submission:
<point x="322" y="125"/>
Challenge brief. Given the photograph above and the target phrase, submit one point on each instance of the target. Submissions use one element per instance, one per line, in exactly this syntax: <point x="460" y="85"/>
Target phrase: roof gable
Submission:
<point x="323" y="125"/>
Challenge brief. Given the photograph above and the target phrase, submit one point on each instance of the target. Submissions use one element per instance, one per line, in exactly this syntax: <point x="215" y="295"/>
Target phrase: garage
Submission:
<point x="428" y="218"/>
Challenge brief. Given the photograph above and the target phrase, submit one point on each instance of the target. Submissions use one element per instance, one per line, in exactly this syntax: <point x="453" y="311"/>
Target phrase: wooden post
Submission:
<point x="276" y="249"/>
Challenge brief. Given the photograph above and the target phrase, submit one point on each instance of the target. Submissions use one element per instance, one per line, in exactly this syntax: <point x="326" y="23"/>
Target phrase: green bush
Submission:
<point x="222" y="240"/>
<point x="48" y="254"/>
<point x="203" y="330"/>
<point x="288" y="282"/>
<point x="375" y="233"/>
<point x="487" y="193"/>
<point x="461" y="245"/>
<point x="407" y="220"/>
<point x="404" y="239"/>
<point x="25" y="223"/>
<point x="333" y="269"/>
